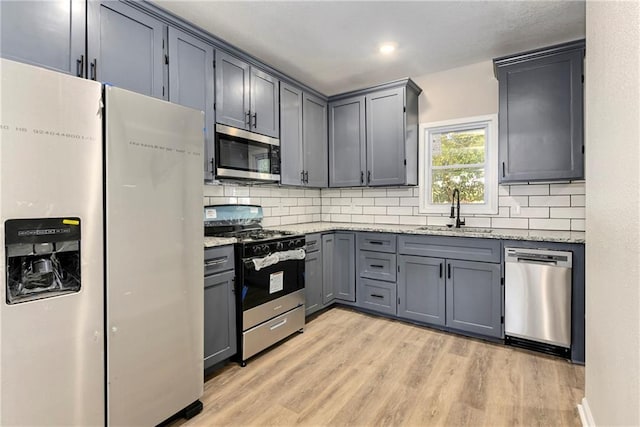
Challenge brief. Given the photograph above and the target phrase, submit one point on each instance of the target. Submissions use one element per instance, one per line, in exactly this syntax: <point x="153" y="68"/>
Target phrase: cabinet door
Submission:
<point x="219" y="318"/>
<point x="474" y="297"/>
<point x="541" y="119"/>
<point x="126" y="48"/>
<point x="291" y="163"/>
<point x="328" y="276"/>
<point x="191" y="83"/>
<point x="313" y="282"/>
<point x="265" y="111"/>
<point x="48" y="34"/>
<point x="314" y="127"/>
<point x="347" y="156"/>
<point x="386" y="138"/>
<point x="232" y="91"/>
<point x="344" y="266"/>
<point x="421" y="289"/>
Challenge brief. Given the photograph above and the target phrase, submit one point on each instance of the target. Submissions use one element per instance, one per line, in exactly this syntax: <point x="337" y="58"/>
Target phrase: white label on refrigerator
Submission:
<point x="210" y="213"/>
<point x="275" y="282"/>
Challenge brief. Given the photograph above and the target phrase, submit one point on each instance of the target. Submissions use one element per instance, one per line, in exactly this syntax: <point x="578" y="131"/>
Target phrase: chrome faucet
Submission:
<point x="456" y="192"/>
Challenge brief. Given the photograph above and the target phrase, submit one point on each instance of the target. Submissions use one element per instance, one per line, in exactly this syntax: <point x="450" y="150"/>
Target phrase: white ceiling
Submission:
<point x="332" y="46"/>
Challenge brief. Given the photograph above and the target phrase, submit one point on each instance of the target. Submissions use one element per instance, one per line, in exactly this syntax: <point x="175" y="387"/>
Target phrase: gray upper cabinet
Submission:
<point x="474" y="297"/>
<point x="347" y="142"/>
<point x="303" y="138"/>
<point x="126" y="48"/>
<point x="421" y="289"/>
<point x="48" y="34"/>
<point x="191" y="83"/>
<point x="385" y="138"/>
<point x="232" y="91"/>
<point x="541" y="114"/>
<point x="246" y="97"/>
<point x="373" y="136"/>
<point x="314" y="140"/>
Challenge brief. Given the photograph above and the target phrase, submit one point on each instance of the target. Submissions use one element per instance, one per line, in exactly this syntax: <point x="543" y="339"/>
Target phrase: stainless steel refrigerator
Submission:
<point x="84" y="342"/>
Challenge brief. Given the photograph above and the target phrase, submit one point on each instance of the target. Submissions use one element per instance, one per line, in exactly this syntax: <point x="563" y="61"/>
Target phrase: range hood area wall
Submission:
<point x="460" y="92"/>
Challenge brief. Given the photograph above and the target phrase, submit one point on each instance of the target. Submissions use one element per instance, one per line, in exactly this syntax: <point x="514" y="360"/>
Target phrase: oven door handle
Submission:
<point x="274" y="258"/>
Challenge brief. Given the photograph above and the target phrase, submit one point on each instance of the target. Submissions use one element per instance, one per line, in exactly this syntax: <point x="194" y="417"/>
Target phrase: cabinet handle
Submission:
<point x="449" y="271"/>
<point x="302" y="177"/>
<point x="377" y="296"/>
<point x="374" y="242"/>
<point x="94" y="69"/>
<point x="248" y="118"/>
<point x="306" y="177"/>
<point x="215" y="262"/>
<point x="255" y="120"/>
<point x="361" y="177"/>
<point x="503" y="169"/>
<point x="441" y="270"/>
<point x="377" y="266"/>
<point x="80" y="66"/>
<point x="368" y="177"/>
<point x="213" y="168"/>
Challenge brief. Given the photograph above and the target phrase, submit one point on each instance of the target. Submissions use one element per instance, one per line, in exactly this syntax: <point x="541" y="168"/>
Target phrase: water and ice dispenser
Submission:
<point x="42" y="258"/>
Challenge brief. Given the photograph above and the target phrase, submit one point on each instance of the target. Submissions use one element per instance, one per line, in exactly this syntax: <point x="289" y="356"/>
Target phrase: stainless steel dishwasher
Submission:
<point x="538" y="299"/>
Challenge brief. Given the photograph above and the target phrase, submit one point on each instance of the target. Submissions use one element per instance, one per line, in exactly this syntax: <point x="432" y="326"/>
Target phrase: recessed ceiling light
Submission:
<point x="387" y="48"/>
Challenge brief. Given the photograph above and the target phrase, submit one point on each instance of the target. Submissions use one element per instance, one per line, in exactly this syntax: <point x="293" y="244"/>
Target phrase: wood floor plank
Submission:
<point x="350" y="368"/>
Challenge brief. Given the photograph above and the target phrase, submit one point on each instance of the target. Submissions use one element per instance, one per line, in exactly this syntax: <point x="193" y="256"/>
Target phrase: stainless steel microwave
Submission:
<point x="246" y="155"/>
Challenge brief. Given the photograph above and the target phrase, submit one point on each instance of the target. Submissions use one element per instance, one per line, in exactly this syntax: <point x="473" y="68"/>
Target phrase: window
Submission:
<point x="460" y="154"/>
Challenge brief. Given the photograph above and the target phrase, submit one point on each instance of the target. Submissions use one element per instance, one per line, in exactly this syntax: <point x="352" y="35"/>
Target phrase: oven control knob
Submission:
<point x="279" y="246"/>
<point x="256" y="250"/>
<point x="265" y="249"/>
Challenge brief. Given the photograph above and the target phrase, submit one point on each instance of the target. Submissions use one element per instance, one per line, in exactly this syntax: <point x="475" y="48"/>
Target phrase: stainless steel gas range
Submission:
<point x="269" y="285"/>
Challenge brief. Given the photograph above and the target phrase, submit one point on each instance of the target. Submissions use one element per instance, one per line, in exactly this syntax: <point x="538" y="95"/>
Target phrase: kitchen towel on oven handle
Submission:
<point x="276" y="257"/>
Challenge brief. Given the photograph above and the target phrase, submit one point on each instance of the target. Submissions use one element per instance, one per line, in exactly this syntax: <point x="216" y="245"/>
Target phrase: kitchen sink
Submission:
<point x="455" y="230"/>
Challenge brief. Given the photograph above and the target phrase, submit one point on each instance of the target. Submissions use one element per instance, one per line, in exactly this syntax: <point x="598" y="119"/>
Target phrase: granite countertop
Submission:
<point x="495" y="233"/>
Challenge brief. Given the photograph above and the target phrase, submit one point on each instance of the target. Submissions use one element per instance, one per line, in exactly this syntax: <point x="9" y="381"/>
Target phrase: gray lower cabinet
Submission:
<point x="191" y="83"/>
<point x="48" y="34"/>
<point x="219" y="305"/>
<point x="313" y="277"/>
<point x="303" y="138"/>
<point x="421" y="289"/>
<point x="338" y="267"/>
<point x="376" y="295"/>
<point x="474" y="297"/>
<point x="246" y="97"/>
<point x="373" y="136"/>
<point x="541" y="114"/>
<point x="126" y="48"/>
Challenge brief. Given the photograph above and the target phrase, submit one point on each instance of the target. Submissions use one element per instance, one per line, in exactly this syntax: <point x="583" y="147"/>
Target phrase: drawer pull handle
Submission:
<point x="377" y="266"/>
<point x="375" y="242"/>
<point x="277" y="325"/>
<point x="215" y="262"/>
<point x="277" y="308"/>
<point x="377" y="296"/>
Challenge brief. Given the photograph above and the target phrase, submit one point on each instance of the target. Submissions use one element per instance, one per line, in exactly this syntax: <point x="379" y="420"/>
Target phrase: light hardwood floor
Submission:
<point x="350" y="368"/>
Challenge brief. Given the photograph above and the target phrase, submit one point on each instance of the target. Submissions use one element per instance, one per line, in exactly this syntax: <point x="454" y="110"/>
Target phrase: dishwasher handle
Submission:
<point x="539" y="256"/>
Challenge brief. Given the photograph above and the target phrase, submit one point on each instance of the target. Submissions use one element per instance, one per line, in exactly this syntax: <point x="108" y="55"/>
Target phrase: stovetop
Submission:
<point x="253" y="235"/>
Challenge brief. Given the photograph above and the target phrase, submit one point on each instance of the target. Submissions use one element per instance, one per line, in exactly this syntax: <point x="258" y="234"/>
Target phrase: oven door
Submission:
<point x="257" y="287"/>
<point x="246" y="155"/>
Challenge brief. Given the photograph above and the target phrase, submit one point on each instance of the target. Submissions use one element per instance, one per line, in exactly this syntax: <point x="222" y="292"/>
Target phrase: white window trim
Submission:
<point x="491" y="165"/>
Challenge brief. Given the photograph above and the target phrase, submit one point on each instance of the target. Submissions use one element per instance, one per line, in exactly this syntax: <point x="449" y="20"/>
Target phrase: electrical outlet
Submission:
<point x="516" y="210"/>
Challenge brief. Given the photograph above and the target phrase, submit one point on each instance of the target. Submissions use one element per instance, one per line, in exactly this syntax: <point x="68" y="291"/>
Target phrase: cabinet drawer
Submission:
<point x="218" y="259"/>
<point x="377" y="265"/>
<point x="377" y="296"/>
<point x="379" y="242"/>
<point x="313" y="242"/>
<point x="464" y="248"/>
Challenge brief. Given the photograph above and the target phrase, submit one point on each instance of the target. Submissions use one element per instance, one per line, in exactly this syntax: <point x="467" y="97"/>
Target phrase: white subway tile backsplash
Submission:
<point x="374" y="193"/>
<point x="296" y="192"/>
<point x="350" y="193"/>
<point x="550" y="224"/>
<point x="510" y="222"/>
<point x="317" y="201"/>
<point x="364" y="201"/>
<point x="413" y="220"/>
<point x="312" y="210"/>
<point x="362" y="219"/>
<point x="578" y="200"/>
<point x="439" y="220"/>
<point x="538" y="212"/>
<point x="529" y="190"/>
<point x="478" y="222"/>
<point x="305" y="201"/>
<point x="312" y="193"/>
<point x="503" y="190"/>
<point x="260" y="192"/>
<point x="577" y="213"/>
<point x="271" y="221"/>
<point x="410" y="201"/>
<point x="331" y="209"/>
<point x="213" y="190"/>
<point x="270" y="201"/>
<point x="341" y="218"/>
<point x="374" y="210"/>
<point x="236" y="191"/>
<point x="325" y="217"/>
<point x="569" y="188"/>
<point x="330" y="192"/>
<point x="387" y="201"/>
<point x="286" y="220"/>
<point x="549" y="201"/>
<point x="400" y="192"/>
<point x="351" y="210"/>
<point x="340" y="201"/>
<point x="316" y="217"/>
<point x="513" y="201"/>
<point x="577" y="225"/>
<point x="289" y="201"/>
<point x="386" y="219"/>
<point x="296" y="210"/>
<point x="399" y="210"/>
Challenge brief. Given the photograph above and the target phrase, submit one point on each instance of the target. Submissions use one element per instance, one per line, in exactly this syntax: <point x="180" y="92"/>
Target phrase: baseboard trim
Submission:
<point x="585" y="414"/>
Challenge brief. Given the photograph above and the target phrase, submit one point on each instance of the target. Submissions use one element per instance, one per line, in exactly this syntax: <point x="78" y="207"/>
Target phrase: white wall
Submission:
<point x="613" y="212"/>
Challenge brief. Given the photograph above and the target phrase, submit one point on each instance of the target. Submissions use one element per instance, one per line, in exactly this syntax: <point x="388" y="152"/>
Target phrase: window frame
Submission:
<point x="490" y="123"/>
